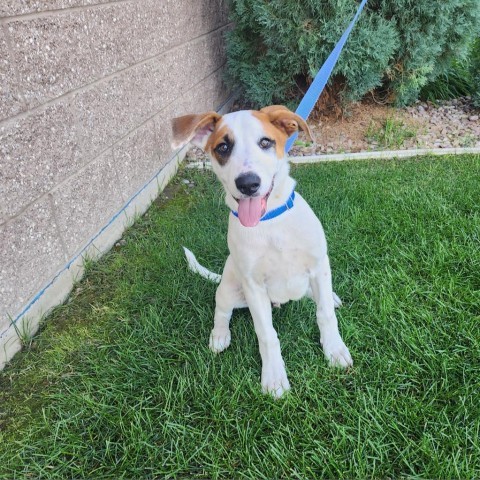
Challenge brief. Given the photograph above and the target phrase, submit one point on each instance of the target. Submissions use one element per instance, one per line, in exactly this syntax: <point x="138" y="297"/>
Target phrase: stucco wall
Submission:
<point x="88" y="88"/>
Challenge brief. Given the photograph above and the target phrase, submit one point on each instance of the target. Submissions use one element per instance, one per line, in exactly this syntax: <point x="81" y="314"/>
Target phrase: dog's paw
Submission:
<point x="219" y="340"/>
<point x="337" y="302"/>
<point x="274" y="380"/>
<point x="337" y="354"/>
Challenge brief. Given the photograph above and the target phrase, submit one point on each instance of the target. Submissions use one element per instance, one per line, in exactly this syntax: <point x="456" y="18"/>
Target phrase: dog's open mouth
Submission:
<point x="252" y="209"/>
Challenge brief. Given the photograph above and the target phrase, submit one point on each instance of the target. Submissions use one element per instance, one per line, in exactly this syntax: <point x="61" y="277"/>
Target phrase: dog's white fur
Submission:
<point x="277" y="260"/>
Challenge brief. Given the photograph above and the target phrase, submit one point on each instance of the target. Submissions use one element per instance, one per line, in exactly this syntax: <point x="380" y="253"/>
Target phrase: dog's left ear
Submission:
<point x="286" y="120"/>
<point x="193" y="128"/>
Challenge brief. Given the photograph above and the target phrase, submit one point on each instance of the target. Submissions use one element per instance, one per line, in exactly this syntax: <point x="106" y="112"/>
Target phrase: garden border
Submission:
<point x="384" y="154"/>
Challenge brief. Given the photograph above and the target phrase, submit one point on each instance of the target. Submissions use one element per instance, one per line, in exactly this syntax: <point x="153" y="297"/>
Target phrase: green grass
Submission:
<point x="391" y="133"/>
<point x="120" y="382"/>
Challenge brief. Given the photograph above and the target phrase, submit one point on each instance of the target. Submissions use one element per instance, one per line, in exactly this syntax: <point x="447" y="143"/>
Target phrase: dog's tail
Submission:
<point x="197" y="268"/>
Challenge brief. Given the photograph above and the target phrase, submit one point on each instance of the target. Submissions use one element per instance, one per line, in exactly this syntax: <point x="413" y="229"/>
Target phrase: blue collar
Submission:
<point x="276" y="211"/>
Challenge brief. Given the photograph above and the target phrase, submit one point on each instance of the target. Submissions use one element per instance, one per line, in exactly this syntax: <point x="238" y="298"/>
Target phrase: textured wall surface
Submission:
<point x="87" y="90"/>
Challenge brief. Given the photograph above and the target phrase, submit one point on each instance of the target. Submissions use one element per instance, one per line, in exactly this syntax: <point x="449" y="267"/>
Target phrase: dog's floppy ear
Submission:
<point x="193" y="128"/>
<point x="286" y="120"/>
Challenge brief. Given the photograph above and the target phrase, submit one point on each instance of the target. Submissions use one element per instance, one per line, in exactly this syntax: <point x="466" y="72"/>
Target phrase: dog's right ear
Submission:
<point x="287" y="121"/>
<point x="193" y="128"/>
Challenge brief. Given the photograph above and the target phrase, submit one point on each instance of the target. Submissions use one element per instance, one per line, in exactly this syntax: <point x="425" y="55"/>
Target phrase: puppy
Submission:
<point x="278" y="250"/>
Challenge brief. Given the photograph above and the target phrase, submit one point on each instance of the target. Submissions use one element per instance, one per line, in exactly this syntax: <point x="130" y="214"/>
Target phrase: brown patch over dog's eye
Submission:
<point x="223" y="150"/>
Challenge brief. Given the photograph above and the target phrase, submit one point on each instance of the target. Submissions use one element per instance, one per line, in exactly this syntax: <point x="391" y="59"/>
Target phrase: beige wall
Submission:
<point x="87" y="90"/>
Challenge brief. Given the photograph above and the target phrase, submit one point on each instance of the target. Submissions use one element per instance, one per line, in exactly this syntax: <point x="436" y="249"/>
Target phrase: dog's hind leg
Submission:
<point x="337" y="302"/>
<point x="229" y="296"/>
<point x="333" y="347"/>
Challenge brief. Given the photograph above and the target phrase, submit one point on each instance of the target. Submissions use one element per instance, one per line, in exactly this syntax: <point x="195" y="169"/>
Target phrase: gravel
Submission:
<point x="450" y="124"/>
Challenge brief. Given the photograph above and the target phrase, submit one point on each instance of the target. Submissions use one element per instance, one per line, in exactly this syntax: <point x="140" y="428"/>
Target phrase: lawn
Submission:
<point x="120" y="382"/>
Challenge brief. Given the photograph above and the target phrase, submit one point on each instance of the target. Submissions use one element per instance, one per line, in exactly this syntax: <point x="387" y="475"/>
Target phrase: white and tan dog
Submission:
<point x="278" y="250"/>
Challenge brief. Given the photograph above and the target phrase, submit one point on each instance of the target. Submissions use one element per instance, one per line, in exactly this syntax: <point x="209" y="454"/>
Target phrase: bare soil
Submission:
<point x="450" y="124"/>
<point x="348" y="132"/>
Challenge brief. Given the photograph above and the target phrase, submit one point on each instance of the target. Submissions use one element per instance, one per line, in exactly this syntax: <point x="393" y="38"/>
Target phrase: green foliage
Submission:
<point x="460" y="79"/>
<point x="400" y="46"/>
<point x="392" y="133"/>
<point x="455" y="82"/>
<point x="475" y="72"/>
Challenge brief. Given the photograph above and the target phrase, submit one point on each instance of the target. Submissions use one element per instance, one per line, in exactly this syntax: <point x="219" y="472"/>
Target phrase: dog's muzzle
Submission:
<point x="252" y="207"/>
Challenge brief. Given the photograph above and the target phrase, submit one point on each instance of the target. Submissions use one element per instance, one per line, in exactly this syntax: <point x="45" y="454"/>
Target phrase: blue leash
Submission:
<point x="313" y="93"/>
<point x="310" y="98"/>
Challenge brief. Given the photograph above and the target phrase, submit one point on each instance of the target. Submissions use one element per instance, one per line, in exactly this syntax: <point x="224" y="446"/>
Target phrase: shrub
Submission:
<point x="475" y="72"/>
<point x="462" y="78"/>
<point x="277" y="46"/>
<point x="453" y="83"/>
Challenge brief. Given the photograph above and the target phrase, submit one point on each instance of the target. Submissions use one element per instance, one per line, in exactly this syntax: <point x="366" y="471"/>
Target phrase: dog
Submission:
<point x="278" y="250"/>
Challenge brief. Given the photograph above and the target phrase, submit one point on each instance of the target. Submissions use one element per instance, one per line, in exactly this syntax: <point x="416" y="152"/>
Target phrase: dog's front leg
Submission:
<point x="274" y="377"/>
<point x="333" y="346"/>
<point x="229" y="296"/>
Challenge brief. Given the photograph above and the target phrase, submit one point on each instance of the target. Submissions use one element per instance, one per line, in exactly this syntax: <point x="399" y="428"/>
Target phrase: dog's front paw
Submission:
<point x="337" y="354"/>
<point x="274" y="380"/>
<point x="219" y="340"/>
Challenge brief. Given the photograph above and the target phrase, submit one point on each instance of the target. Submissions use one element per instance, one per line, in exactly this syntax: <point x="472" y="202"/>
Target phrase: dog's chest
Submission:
<point x="279" y="262"/>
<point x="285" y="269"/>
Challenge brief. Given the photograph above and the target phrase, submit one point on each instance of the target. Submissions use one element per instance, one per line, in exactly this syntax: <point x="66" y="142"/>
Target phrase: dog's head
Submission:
<point x="247" y="150"/>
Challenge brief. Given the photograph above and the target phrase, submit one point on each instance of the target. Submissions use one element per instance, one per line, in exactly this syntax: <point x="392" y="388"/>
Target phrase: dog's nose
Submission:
<point x="248" y="183"/>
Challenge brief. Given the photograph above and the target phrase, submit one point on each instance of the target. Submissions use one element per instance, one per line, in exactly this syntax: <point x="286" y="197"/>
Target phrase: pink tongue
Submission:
<point x="250" y="210"/>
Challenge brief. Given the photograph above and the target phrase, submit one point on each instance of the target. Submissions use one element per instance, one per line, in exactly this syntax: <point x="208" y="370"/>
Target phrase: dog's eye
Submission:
<point x="265" y="143"/>
<point x="222" y="148"/>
